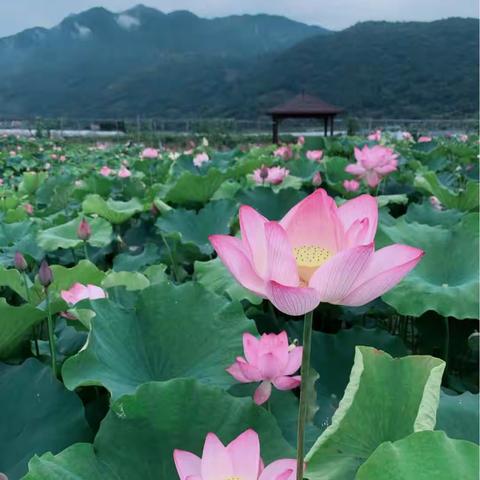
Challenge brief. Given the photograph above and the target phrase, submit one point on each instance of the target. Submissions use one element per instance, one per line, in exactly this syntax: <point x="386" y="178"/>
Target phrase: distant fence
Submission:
<point x="115" y="126"/>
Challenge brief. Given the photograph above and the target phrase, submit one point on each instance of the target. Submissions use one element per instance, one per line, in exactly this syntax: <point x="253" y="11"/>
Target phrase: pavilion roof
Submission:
<point x="305" y="105"/>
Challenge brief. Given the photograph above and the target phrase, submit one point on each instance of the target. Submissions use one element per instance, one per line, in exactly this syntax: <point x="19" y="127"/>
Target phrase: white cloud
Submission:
<point x="82" y="31"/>
<point x="128" y="22"/>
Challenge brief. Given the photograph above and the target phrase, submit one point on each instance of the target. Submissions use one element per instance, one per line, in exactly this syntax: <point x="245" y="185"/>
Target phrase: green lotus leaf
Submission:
<point x="65" y="235"/>
<point x="335" y="171"/>
<point x="16" y="325"/>
<point x="114" y="211"/>
<point x="446" y="279"/>
<point x="269" y="203"/>
<point x="13" y="279"/>
<point x="139" y="434"/>
<point x="31" y="181"/>
<point x="398" y="199"/>
<point x="129" y="280"/>
<point x="191" y="188"/>
<point x="18" y="237"/>
<point x="465" y="200"/>
<point x="38" y="415"/>
<point x="214" y="276"/>
<point x="333" y="356"/>
<point x="169" y="331"/>
<point x="424" y="213"/>
<point x="458" y="416"/>
<point x="133" y="263"/>
<point x="385" y="400"/>
<point x="195" y="227"/>
<point x="422" y="456"/>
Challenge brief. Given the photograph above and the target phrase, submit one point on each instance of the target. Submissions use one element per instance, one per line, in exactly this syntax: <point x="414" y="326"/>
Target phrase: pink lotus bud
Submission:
<point x="301" y="140"/>
<point x="28" y="207"/>
<point x="351" y="185"/>
<point x="317" y="179"/>
<point x="154" y="210"/>
<point x="20" y="262"/>
<point x="45" y="275"/>
<point x="263" y="172"/>
<point x="84" y="230"/>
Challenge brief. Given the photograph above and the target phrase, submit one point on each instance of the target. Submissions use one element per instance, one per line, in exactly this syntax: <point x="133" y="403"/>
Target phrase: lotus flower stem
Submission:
<point x="447" y="342"/>
<point x="85" y="251"/>
<point x="34" y="328"/>
<point x="302" y="409"/>
<point x="172" y="260"/>
<point x="51" y="335"/>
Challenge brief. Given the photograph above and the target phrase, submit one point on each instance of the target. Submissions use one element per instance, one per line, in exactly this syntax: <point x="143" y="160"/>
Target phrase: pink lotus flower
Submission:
<point x="273" y="175"/>
<point x="463" y="138"/>
<point x="351" y="185"/>
<point x="84" y="230"/>
<point x="78" y="292"/>
<point x="373" y="164"/>
<point x="105" y="171"/>
<point x="54" y="156"/>
<point x="149" y="153"/>
<point x="435" y="203"/>
<point x="239" y="460"/>
<point x="407" y="136"/>
<point x="315" y="155"/>
<point x="268" y="360"/>
<point x="28" y="207"/>
<point x="316" y="252"/>
<point x="301" y="140"/>
<point x="124" y="172"/>
<point x="12" y="153"/>
<point x="285" y="152"/>
<point x="1" y="181"/>
<point x="62" y="158"/>
<point x="375" y="136"/>
<point x="317" y="179"/>
<point x="200" y="159"/>
<point x="424" y="139"/>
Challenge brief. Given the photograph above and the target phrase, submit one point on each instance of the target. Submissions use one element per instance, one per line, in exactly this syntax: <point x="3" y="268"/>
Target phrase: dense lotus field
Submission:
<point x="157" y="304"/>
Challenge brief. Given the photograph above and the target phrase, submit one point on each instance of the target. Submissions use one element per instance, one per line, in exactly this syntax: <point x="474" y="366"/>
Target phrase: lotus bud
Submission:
<point x="317" y="179"/>
<point x="45" y="275"/>
<point x="264" y="172"/>
<point x="154" y="210"/>
<point x="84" y="231"/>
<point x="20" y="262"/>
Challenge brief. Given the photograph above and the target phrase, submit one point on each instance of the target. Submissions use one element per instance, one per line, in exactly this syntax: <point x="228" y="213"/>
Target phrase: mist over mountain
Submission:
<point x="145" y="62"/>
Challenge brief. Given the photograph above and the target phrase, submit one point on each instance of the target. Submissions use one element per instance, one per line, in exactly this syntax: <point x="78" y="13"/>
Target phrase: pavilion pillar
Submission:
<point x="275" y="125"/>
<point x="331" y="125"/>
<point x="325" y="126"/>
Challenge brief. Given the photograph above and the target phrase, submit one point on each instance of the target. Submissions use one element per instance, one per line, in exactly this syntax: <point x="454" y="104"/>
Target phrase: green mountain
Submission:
<point x="145" y="62"/>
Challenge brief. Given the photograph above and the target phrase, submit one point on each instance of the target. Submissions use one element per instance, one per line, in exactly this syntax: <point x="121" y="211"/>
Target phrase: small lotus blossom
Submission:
<point x="373" y="164"/>
<point x="351" y="185"/>
<point x="269" y="360"/>
<point x="84" y="230"/>
<point x="315" y="155"/>
<point x="301" y="140"/>
<point x="12" y="153"/>
<point x="200" y="159"/>
<point x="28" y="207"/>
<point x="407" y="136"/>
<point x="285" y="152"/>
<point x="424" y="139"/>
<point x="173" y="155"/>
<point x="435" y="203"/>
<point x="273" y="175"/>
<point x="78" y="292"/>
<point x="463" y="138"/>
<point x="317" y="252"/>
<point x="124" y="172"/>
<point x="62" y="158"/>
<point x="239" y="460"/>
<point x="375" y="136"/>
<point x="105" y="171"/>
<point x="150" y="153"/>
<point x="20" y="262"/>
<point x="205" y="142"/>
<point x="47" y="166"/>
<point x="54" y="156"/>
<point x="317" y="179"/>
<point x="1" y="181"/>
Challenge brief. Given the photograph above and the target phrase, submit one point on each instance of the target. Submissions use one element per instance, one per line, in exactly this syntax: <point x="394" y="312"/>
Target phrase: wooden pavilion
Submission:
<point x="303" y="106"/>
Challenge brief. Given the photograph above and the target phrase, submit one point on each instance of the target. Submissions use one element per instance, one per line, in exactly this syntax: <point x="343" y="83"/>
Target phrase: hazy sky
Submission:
<point x="16" y="15"/>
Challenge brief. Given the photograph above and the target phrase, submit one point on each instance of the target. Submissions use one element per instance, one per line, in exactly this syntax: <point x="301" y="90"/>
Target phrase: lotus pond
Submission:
<point x="197" y="313"/>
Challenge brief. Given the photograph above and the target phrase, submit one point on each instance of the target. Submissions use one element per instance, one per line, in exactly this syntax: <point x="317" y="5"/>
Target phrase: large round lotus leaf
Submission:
<point x="426" y="214"/>
<point x="137" y="438"/>
<point x="458" y="416"/>
<point x="446" y="279"/>
<point x="270" y="204"/>
<point x="385" y="400"/>
<point x="134" y="263"/>
<point x="112" y="210"/>
<point x="214" y="276"/>
<point x="195" y="227"/>
<point x="38" y="415"/>
<point x="65" y="235"/>
<point x="171" y="331"/>
<point x="422" y="456"/>
<point x="16" y="325"/>
<point x="193" y="189"/>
